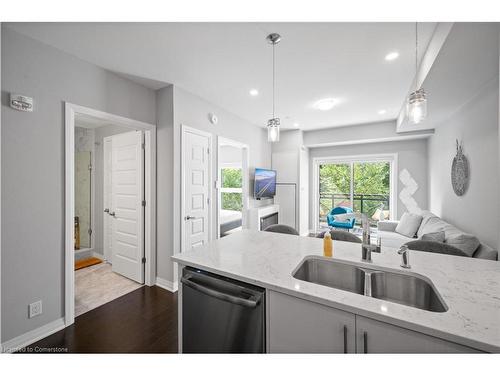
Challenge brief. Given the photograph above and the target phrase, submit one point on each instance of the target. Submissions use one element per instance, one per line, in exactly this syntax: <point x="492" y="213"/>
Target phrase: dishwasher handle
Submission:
<point x="186" y="280"/>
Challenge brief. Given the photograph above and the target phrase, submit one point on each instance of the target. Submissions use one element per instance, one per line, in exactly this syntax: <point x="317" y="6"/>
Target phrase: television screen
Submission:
<point x="265" y="183"/>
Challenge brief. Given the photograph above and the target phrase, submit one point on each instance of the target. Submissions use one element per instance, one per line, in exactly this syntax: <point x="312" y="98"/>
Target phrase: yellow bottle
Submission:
<point x="327" y="245"/>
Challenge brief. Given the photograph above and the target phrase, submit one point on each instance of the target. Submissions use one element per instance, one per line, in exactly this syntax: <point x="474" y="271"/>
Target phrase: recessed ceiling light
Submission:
<point x="392" y="56"/>
<point x="382" y="112"/>
<point x="325" y="104"/>
<point x="254" y="92"/>
<point x="296" y="125"/>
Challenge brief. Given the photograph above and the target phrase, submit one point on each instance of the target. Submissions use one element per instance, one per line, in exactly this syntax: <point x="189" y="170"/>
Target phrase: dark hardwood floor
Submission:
<point x="143" y="321"/>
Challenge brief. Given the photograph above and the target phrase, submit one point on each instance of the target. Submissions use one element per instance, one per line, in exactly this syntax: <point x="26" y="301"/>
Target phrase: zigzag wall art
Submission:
<point x="406" y="194"/>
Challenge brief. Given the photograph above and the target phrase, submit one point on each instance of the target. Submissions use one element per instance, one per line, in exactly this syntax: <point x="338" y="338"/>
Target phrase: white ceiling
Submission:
<point x="221" y="62"/>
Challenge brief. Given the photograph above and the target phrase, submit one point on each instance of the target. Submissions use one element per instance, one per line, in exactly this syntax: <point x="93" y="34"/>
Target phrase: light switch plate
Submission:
<point x="35" y="309"/>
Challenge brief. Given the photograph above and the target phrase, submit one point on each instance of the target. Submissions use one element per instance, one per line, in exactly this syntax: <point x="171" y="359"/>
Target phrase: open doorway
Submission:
<point x="110" y="203"/>
<point x="232" y="193"/>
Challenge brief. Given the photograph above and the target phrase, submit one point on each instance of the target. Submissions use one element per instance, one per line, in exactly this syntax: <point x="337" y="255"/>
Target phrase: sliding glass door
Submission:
<point x="363" y="185"/>
<point x="335" y="185"/>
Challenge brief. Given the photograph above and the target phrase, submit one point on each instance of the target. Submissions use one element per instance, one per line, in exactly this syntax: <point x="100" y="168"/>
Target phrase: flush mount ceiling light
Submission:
<point x="325" y="104"/>
<point x="296" y="125"/>
<point x="392" y="56"/>
<point x="273" y="124"/>
<point x="382" y="112"/>
<point x="416" y="104"/>
<point x="254" y="92"/>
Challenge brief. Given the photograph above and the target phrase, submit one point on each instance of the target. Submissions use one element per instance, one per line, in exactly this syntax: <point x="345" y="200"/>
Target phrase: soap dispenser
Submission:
<point x="327" y="245"/>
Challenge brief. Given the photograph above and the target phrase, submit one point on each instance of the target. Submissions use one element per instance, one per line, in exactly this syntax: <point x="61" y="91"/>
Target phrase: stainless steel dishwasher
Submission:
<point x="221" y="315"/>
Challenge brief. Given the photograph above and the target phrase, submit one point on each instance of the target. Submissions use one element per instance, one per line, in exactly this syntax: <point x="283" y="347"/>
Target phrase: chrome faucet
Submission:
<point x="405" y="256"/>
<point x="366" y="246"/>
<point x="365" y="224"/>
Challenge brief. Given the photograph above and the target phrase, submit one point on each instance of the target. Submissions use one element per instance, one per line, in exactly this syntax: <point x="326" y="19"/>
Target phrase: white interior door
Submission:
<point x="127" y="192"/>
<point x="196" y="170"/>
<point x="107" y="199"/>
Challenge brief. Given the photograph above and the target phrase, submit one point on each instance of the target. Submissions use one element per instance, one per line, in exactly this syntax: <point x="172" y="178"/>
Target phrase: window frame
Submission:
<point x="392" y="159"/>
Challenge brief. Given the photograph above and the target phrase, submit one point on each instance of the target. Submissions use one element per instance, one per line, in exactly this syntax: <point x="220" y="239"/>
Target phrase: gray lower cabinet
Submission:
<point x="296" y="325"/>
<point x="299" y="326"/>
<point x="373" y="336"/>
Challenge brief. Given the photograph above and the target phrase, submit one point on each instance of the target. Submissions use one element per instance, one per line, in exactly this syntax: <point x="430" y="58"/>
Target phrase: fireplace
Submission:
<point x="268" y="220"/>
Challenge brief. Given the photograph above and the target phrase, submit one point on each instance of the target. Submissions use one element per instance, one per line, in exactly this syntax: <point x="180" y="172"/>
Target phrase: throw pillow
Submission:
<point x="435" y="247"/>
<point x="465" y="242"/>
<point x="409" y="224"/>
<point x="436" y="236"/>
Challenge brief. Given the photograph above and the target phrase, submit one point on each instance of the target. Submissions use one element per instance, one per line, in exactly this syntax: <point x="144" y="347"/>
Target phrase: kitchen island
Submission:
<point x="299" y="313"/>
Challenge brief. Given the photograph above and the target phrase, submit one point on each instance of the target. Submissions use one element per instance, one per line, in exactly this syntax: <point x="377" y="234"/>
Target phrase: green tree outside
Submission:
<point x="232" y="178"/>
<point x="371" y="178"/>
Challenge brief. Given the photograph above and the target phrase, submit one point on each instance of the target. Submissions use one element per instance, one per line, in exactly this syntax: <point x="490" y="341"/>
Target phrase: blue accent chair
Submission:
<point x="339" y="210"/>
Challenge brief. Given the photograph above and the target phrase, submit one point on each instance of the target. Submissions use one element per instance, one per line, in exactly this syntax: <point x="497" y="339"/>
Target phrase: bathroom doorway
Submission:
<point x="110" y="199"/>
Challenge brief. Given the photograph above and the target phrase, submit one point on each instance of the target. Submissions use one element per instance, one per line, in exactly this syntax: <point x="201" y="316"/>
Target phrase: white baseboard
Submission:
<point x="166" y="284"/>
<point x="30" y="337"/>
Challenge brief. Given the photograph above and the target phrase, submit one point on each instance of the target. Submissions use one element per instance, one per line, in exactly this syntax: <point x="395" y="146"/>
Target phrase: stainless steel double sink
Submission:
<point x="405" y="288"/>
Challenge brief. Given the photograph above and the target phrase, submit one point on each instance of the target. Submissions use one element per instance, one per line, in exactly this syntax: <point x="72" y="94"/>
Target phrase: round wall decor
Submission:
<point x="460" y="172"/>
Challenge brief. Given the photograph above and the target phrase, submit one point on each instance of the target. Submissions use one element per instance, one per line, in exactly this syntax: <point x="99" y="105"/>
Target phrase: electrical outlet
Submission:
<point x="35" y="309"/>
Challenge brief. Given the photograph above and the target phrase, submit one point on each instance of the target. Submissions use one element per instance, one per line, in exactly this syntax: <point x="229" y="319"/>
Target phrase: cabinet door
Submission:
<point x="299" y="326"/>
<point x="373" y="336"/>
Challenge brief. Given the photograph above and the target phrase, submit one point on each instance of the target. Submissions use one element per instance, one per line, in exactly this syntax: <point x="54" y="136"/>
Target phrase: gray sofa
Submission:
<point x="430" y="224"/>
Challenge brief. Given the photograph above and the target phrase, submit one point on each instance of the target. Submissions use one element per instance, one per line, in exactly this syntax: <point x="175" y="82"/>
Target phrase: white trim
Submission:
<point x="106" y="142"/>
<point x="30" y="337"/>
<point x="231" y="190"/>
<point x="150" y="191"/>
<point x="167" y="284"/>
<point x="229" y="165"/>
<point x="185" y="129"/>
<point x="245" y="186"/>
<point x="387" y="157"/>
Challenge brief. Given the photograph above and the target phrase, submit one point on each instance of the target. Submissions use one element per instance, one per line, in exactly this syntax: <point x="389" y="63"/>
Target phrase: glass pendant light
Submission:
<point x="416" y="105"/>
<point x="273" y="124"/>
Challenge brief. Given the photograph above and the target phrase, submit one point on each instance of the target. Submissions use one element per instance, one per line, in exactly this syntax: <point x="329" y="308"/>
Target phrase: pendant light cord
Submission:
<point x="274" y="78"/>
<point x="416" y="56"/>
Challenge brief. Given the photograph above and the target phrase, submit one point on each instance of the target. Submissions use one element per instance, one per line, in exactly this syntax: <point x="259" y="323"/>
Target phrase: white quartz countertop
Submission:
<point x="469" y="287"/>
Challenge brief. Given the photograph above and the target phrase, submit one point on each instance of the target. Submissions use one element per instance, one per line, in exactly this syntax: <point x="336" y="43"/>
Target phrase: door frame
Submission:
<point x="71" y="110"/>
<point x="245" y="186"/>
<point x="106" y="217"/>
<point x="187" y="129"/>
<point x="392" y="158"/>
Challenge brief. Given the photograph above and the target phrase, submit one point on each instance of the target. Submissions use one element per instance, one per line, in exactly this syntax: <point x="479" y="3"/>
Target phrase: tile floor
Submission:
<point x="97" y="285"/>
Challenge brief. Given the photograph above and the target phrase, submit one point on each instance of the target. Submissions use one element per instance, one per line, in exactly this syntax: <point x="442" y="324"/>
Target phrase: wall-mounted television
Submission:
<point x="264" y="183"/>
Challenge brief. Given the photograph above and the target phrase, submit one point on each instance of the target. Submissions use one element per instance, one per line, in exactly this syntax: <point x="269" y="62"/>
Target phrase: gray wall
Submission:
<point x="476" y="124"/>
<point x="193" y="111"/>
<point x="464" y="82"/>
<point x="33" y="182"/>
<point x="164" y="181"/>
<point x="412" y="155"/>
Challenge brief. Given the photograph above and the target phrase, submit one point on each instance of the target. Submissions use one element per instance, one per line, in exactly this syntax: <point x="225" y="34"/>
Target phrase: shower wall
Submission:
<point x="84" y="150"/>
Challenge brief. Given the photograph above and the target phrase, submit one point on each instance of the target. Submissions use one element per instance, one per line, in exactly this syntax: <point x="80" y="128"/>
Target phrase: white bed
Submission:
<point x="229" y="219"/>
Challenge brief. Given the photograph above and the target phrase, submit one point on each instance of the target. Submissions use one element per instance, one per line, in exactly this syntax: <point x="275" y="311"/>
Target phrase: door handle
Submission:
<point x="113" y="214"/>
<point x="189" y="217"/>
<point x="106" y="210"/>
<point x="345" y="339"/>
<point x="251" y="303"/>
<point x="365" y="342"/>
